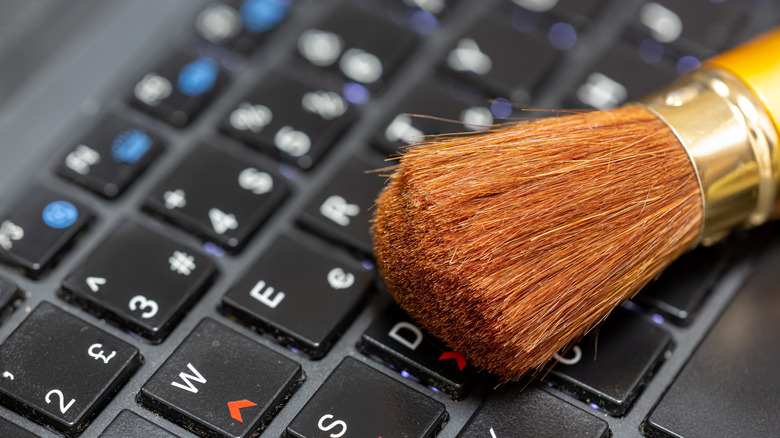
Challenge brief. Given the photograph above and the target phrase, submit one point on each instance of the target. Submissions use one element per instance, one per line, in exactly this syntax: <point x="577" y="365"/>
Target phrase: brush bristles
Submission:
<point x="511" y="245"/>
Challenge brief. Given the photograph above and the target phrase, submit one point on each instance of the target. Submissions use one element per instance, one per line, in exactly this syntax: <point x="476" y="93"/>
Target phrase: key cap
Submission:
<point x="140" y="280"/>
<point x="41" y="226"/>
<point x="623" y="76"/>
<point x="302" y="291"/>
<point x="359" y="400"/>
<point x="341" y="211"/>
<point x="440" y="106"/>
<point x="60" y="371"/>
<point x="610" y="366"/>
<point x="9" y="296"/>
<point x="241" y="25"/>
<point x="395" y="340"/>
<point x="128" y="424"/>
<point x="495" y="55"/>
<point x="573" y="11"/>
<point x="682" y="288"/>
<point x="680" y="24"/>
<point x="110" y="157"/>
<point x="221" y="383"/>
<point x="9" y="429"/>
<point x="178" y="88"/>
<point x="729" y="386"/>
<point x="518" y="412"/>
<point x="290" y="119"/>
<point x="219" y="196"/>
<point x="358" y="45"/>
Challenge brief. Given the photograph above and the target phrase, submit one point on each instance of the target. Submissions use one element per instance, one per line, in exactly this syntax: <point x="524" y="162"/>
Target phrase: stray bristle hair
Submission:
<point x="511" y="245"/>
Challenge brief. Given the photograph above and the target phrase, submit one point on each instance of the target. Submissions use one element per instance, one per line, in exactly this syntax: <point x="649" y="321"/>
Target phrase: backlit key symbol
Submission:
<point x="492" y="433"/>
<point x="182" y="263"/>
<point x="82" y="159"/>
<point x="468" y="57"/>
<point x="9" y="232"/>
<point x="221" y="221"/>
<point x="174" y="199"/>
<point x="337" y="209"/>
<point x="152" y="89"/>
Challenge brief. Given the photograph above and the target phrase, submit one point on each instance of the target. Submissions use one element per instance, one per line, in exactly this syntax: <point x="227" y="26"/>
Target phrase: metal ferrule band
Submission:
<point x="732" y="143"/>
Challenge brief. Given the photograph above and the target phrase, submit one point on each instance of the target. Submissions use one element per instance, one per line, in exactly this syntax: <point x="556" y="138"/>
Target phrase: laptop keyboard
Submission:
<point x="193" y="255"/>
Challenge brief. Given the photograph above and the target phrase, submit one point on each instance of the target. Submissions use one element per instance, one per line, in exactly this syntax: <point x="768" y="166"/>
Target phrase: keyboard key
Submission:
<point x="495" y="55"/>
<point x="60" y="371"/>
<point x="302" y="291"/>
<point x="292" y="120"/>
<point x="610" y="366"/>
<point x="128" y="424"/>
<point x="341" y="211"/>
<point x="394" y="339"/>
<point x="681" y="289"/>
<point x="9" y="296"/>
<point x="519" y="412"/>
<point x="9" y="429"/>
<point x="440" y="106"/>
<point x="221" y="383"/>
<point x="140" y="280"/>
<point x="681" y="24"/>
<point x="623" y="75"/>
<point x="367" y="403"/>
<point x="729" y="386"/>
<point x="241" y="25"/>
<point x="359" y="45"/>
<point x="39" y="228"/>
<point x="108" y="159"/>
<point x="177" y="89"/>
<point x="219" y="196"/>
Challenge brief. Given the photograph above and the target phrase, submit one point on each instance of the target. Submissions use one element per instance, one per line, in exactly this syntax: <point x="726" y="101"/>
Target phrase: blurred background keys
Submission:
<point x="241" y="25"/>
<point x="110" y="157"/>
<point x="39" y="227"/>
<point x="357" y="44"/>
<point x="290" y="119"/>
<point x="178" y="88"/>
<point x="495" y="55"/>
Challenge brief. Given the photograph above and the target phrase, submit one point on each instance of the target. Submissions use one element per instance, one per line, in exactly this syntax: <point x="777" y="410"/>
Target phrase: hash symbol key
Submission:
<point x="140" y="280"/>
<point x="59" y="370"/>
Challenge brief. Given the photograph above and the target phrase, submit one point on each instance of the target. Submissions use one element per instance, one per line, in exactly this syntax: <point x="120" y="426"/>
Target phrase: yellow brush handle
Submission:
<point x="756" y="63"/>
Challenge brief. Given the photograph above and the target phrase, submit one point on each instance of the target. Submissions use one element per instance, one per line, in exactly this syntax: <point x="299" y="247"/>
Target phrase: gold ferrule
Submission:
<point x="732" y="143"/>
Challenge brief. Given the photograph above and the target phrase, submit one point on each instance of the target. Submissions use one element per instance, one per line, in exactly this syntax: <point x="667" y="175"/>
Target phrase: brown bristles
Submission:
<point x="510" y="245"/>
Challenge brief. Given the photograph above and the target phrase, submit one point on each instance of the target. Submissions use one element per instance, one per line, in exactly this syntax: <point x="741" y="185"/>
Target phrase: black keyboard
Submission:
<point x="185" y="195"/>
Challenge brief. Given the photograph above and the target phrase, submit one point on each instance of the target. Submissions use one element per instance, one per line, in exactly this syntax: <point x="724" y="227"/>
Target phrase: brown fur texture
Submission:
<point x="511" y="245"/>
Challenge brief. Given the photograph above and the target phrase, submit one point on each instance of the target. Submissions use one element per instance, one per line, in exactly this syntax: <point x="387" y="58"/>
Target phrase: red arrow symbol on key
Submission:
<point x="448" y="355"/>
<point x="236" y="406"/>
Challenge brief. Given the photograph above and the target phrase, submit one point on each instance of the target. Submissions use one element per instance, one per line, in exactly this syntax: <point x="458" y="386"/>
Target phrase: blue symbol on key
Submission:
<point x="60" y="214"/>
<point x="262" y="15"/>
<point x="198" y="77"/>
<point x="130" y="146"/>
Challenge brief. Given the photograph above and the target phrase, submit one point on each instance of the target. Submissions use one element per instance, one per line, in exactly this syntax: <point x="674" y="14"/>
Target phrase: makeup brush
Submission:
<point x="510" y="245"/>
